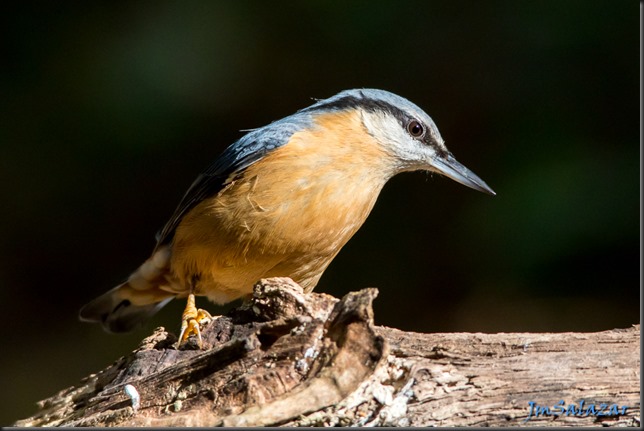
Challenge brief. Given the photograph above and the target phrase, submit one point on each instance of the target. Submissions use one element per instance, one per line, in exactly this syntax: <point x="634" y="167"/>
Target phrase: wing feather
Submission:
<point x="235" y="159"/>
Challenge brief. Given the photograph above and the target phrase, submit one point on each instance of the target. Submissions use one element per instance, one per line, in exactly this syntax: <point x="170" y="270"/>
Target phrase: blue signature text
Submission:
<point x="580" y="410"/>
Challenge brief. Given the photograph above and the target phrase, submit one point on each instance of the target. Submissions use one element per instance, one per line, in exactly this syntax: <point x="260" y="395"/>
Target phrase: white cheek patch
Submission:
<point x="384" y="128"/>
<point x="387" y="130"/>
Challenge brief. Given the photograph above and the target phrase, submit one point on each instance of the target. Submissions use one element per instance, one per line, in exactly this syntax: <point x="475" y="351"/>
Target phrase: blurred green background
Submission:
<point x="108" y="111"/>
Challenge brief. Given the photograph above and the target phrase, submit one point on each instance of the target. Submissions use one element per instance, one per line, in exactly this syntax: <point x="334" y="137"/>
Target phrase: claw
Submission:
<point x="192" y="320"/>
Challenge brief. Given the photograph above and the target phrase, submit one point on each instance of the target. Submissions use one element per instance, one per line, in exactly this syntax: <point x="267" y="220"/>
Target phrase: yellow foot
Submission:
<point x="192" y="321"/>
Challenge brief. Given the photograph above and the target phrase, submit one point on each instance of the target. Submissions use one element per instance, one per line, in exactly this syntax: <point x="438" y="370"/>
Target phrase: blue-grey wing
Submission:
<point x="235" y="159"/>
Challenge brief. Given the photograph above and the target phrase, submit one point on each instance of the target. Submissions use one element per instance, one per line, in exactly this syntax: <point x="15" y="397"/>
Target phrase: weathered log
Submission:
<point x="295" y="359"/>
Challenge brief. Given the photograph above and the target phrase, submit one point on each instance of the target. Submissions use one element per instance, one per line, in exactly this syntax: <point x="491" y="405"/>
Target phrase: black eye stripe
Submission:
<point x="374" y="105"/>
<point x="371" y="105"/>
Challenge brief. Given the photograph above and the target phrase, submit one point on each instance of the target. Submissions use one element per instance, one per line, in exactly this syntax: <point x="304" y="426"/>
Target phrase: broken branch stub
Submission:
<point x="281" y="355"/>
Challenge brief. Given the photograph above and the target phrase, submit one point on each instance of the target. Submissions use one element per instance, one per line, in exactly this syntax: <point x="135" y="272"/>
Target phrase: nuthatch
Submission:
<point x="280" y="202"/>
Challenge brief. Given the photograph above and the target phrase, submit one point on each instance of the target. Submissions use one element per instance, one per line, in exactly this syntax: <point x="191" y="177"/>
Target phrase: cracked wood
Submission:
<point x="296" y="359"/>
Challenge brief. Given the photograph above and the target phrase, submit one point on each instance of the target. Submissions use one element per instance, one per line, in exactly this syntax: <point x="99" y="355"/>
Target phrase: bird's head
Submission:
<point x="404" y="131"/>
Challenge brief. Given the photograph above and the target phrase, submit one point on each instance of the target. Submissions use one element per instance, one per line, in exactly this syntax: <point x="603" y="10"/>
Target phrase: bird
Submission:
<point x="281" y="201"/>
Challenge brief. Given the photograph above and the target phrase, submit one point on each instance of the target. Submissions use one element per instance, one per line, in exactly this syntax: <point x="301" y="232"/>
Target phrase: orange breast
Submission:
<point x="288" y="214"/>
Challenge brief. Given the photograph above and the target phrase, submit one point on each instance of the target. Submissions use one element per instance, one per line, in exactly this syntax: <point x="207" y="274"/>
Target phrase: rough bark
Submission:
<point x="295" y="359"/>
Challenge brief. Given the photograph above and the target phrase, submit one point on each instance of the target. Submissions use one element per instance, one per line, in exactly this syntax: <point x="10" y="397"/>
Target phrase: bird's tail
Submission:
<point x="130" y="304"/>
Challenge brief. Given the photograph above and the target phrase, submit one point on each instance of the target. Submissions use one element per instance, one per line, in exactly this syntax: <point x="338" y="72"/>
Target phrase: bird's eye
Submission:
<point x="415" y="129"/>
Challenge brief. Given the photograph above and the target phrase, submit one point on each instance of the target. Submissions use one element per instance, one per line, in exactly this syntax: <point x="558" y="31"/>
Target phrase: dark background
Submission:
<point x="109" y="110"/>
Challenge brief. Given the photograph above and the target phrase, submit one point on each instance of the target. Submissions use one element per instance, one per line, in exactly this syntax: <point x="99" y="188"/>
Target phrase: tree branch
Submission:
<point x="289" y="358"/>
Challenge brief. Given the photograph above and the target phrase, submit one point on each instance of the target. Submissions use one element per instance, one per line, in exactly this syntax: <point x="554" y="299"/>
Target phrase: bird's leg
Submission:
<point x="191" y="321"/>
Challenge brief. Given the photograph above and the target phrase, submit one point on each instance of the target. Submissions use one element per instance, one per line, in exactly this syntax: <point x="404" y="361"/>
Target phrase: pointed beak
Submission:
<point x="451" y="168"/>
